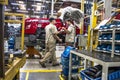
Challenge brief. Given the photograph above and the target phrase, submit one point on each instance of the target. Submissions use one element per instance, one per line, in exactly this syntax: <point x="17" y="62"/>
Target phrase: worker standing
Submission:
<point x="51" y="37"/>
<point x="70" y="33"/>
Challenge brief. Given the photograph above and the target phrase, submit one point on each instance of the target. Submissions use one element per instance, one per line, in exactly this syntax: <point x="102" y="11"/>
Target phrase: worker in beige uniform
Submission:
<point x="51" y="37"/>
<point x="70" y="33"/>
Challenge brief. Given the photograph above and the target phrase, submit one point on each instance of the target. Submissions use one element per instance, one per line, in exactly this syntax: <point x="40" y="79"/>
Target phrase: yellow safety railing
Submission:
<point x="18" y="21"/>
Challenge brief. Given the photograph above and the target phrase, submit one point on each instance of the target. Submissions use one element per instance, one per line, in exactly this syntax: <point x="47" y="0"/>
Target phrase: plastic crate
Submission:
<point x="104" y="47"/>
<point x="106" y="26"/>
<point x="101" y="27"/>
<point x="109" y="37"/>
<point x="104" y="37"/>
<point x="117" y="48"/>
<point x="117" y="37"/>
<point x="67" y="51"/>
<point x="11" y="46"/>
<point x="111" y="76"/>
<point x="109" y="48"/>
<point x="99" y="47"/>
<point x="65" y="61"/>
<point x="11" y="41"/>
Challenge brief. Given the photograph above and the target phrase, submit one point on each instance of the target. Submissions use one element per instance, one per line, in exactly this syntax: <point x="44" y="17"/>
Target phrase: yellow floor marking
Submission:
<point x="41" y="70"/>
<point x="61" y="77"/>
<point x="27" y="76"/>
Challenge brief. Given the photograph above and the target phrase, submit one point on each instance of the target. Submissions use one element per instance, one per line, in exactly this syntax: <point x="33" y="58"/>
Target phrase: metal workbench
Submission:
<point x="101" y="58"/>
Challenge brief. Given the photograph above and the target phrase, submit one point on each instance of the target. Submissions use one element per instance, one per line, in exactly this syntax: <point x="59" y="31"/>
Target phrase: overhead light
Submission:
<point x="27" y="16"/>
<point x="13" y="7"/>
<point x="38" y="8"/>
<point x="37" y="16"/>
<point x="33" y="5"/>
<point x="47" y="1"/>
<point x="37" y="0"/>
<point x="37" y="12"/>
<point x="17" y="8"/>
<point x="5" y="7"/>
<point x="39" y="4"/>
<point x="22" y="11"/>
<point x="15" y="4"/>
<point x="22" y="7"/>
<point x="42" y="6"/>
<point x="33" y="9"/>
<point x="42" y="12"/>
<point x="28" y="9"/>
<point x="21" y="2"/>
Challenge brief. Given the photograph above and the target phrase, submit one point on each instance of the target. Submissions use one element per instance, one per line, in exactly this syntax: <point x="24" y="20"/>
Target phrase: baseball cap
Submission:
<point x="51" y="19"/>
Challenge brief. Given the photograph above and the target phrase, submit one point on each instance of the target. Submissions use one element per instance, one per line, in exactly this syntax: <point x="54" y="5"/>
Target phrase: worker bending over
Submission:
<point x="51" y="37"/>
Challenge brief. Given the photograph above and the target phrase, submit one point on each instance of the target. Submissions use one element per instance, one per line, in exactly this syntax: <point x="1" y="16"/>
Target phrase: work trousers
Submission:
<point x="50" y="53"/>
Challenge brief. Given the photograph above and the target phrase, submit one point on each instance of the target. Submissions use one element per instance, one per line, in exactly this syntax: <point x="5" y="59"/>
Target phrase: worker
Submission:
<point x="51" y="37"/>
<point x="70" y="33"/>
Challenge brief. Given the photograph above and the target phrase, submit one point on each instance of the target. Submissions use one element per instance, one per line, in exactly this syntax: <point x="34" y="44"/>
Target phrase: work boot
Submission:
<point x="56" y="64"/>
<point x="50" y="61"/>
<point x="42" y="64"/>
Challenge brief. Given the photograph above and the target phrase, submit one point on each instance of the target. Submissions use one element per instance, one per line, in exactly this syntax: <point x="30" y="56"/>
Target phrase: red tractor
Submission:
<point x="35" y="28"/>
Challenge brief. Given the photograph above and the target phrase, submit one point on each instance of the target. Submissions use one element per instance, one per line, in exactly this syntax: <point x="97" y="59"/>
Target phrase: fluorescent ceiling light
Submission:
<point x="73" y="0"/>
<point x="22" y="7"/>
<point x="42" y="6"/>
<point x="38" y="8"/>
<point x="39" y="4"/>
<point x="35" y="5"/>
<point x="37" y="16"/>
<point x="37" y="12"/>
<point x="27" y="16"/>
<point x="78" y="1"/>
<point x="47" y="1"/>
<point x="22" y="11"/>
<point x="7" y="9"/>
<point x="28" y="9"/>
<point x="15" y="4"/>
<point x="42" y="12"/>
<point x="21" y="2"/>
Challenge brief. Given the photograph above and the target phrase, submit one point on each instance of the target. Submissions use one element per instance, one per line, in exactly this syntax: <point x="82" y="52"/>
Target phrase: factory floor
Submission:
<point x="32" y="70"/>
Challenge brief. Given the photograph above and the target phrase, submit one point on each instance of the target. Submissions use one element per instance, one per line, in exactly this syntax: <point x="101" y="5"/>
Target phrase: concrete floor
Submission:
<point x="32" y="70"/>
<point x="42" y="76"/>
<point x="33" y="64"/>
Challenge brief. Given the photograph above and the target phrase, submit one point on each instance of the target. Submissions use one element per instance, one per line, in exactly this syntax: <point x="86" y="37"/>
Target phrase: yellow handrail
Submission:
<point x="18" y="21"/>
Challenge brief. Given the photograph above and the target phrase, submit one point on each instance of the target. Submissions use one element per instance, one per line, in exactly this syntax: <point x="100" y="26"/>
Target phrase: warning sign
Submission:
<point x="4" y="2"/>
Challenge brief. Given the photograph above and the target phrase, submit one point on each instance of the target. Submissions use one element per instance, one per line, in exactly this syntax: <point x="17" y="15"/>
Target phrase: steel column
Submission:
<point x="23" y="32"/>
<point x="70" y="66"/>
<point x="82" y="21"/>
<point x="113" y="42"/>
<point x="52" y="8"/>
<point x="2" y="66"/>
<point x="93" y="23"/>
<point x="105" y="73"/>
